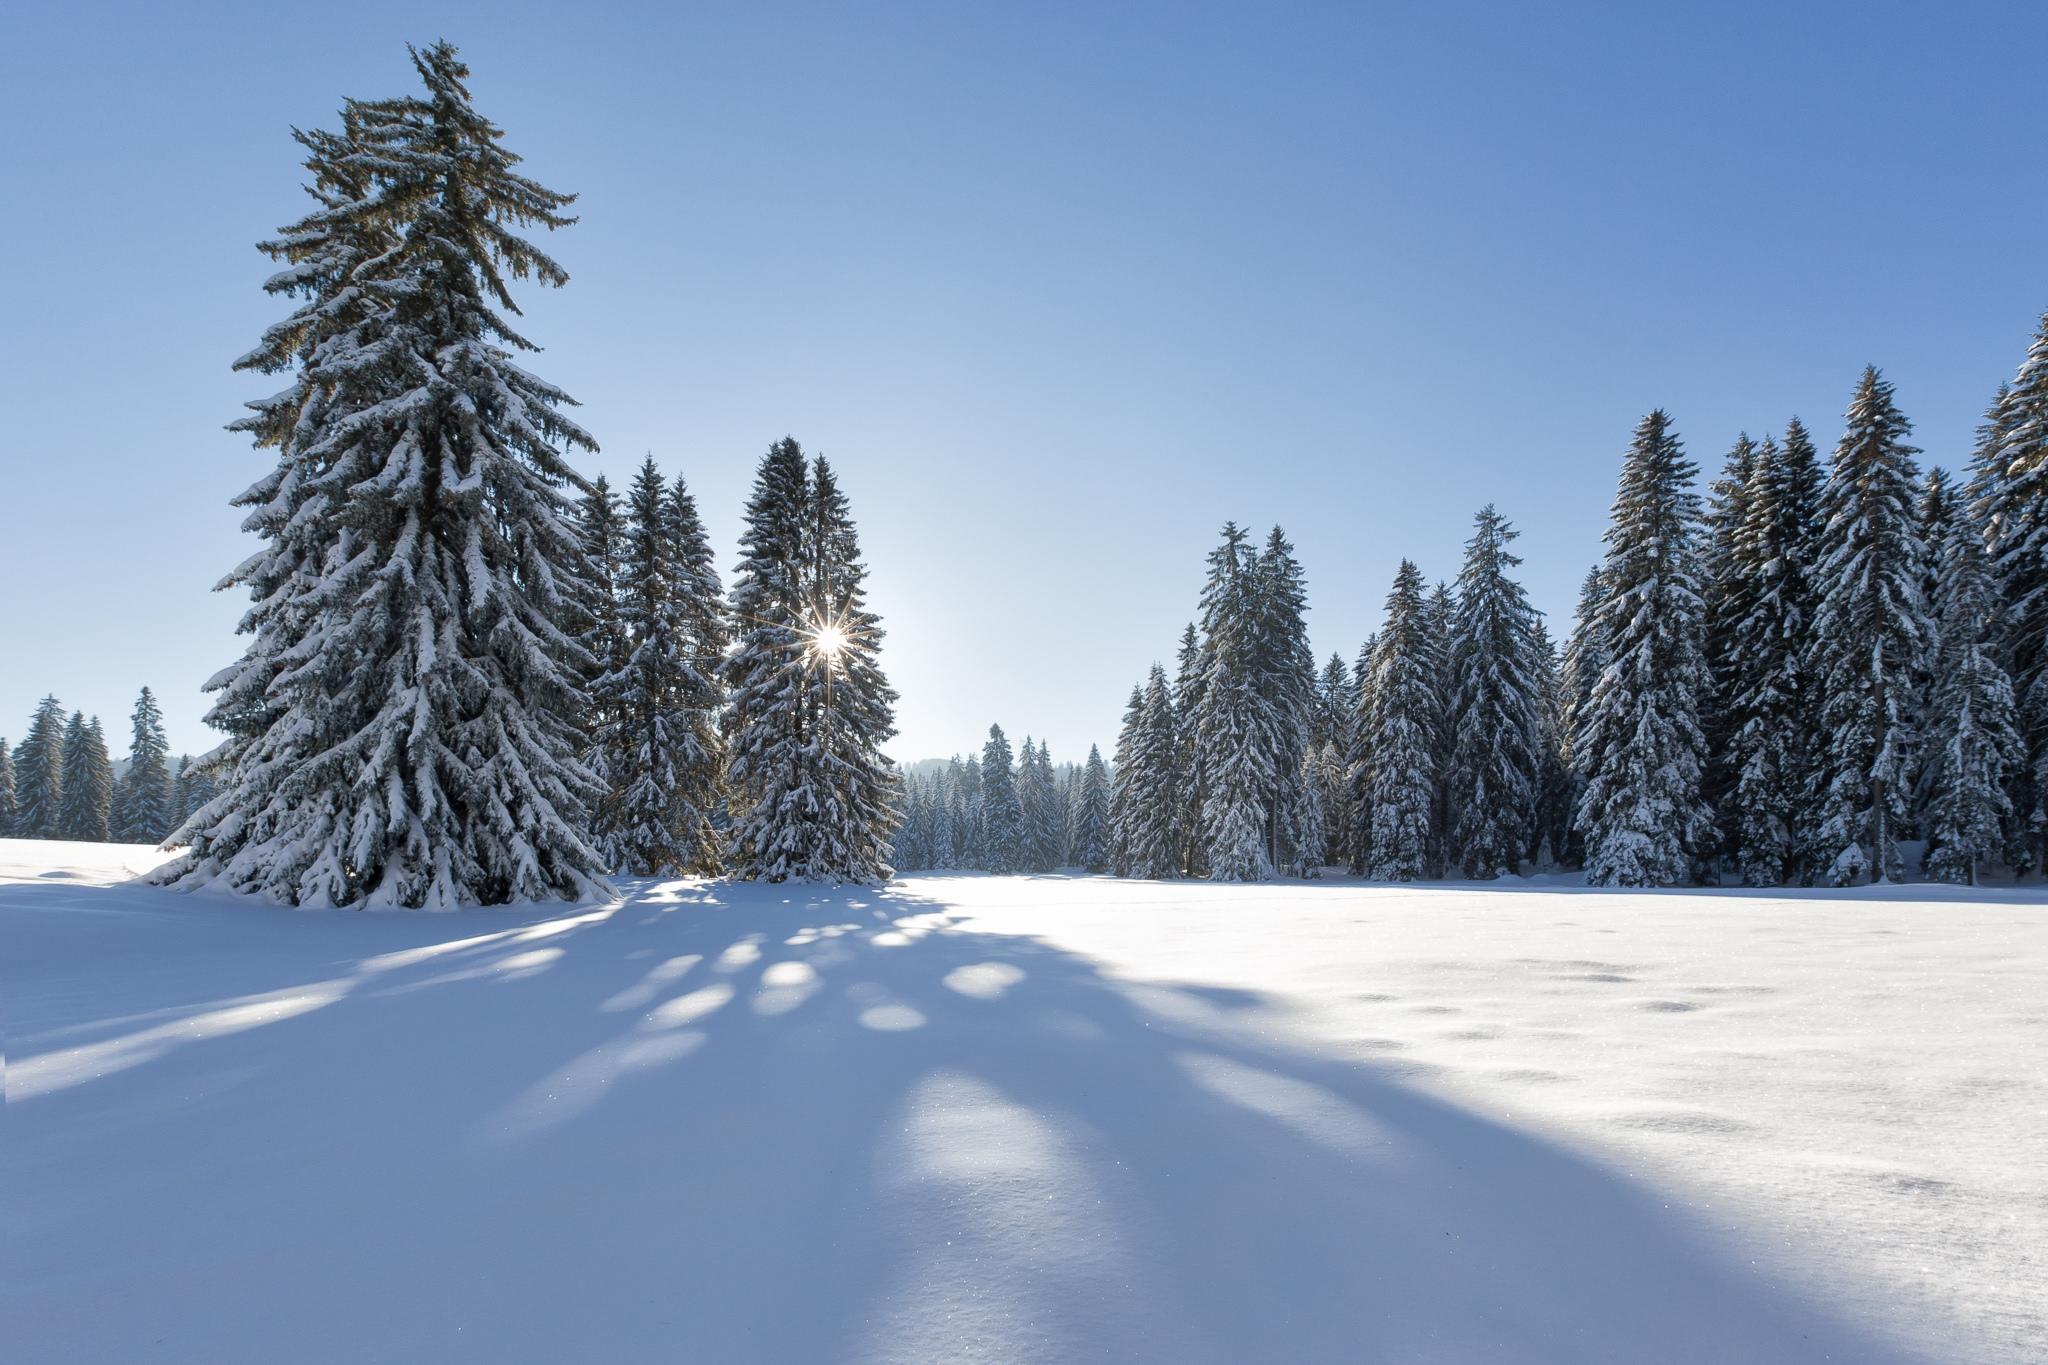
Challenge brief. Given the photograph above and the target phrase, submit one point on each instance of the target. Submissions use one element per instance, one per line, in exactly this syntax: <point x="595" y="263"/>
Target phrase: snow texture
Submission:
<point x="995" y="1118"/>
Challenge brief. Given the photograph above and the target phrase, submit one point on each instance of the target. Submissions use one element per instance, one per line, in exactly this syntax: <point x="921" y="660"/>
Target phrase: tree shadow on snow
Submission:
<point x="743" y="1123"/>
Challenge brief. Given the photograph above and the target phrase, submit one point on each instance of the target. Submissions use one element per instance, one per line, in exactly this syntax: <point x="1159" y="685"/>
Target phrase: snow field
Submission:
<point x="979" y="1118"/>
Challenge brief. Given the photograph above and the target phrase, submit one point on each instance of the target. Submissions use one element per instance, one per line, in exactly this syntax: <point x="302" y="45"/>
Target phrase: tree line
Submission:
<point x="987" y="813"/>
<point x="1778" y="683"/>
<point x="60" y="782"/>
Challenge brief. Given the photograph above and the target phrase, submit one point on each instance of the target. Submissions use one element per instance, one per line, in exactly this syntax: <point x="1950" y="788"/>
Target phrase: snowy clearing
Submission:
<point x="974" y="1118"/>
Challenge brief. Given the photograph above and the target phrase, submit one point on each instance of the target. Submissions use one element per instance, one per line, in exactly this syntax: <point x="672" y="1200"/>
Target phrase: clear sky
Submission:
<point x="1058" y="288"/>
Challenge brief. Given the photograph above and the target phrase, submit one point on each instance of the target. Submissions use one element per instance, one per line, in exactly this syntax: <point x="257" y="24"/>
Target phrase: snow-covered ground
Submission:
<point x="1020" y="1119"/>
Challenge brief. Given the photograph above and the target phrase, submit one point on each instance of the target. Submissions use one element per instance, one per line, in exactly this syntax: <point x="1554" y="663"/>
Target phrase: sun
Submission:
<point x="829" y="640"/>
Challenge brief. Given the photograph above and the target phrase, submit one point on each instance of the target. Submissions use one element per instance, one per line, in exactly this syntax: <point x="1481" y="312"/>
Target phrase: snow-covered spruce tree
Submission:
<point x="1155" y="794"/>
<point x="659" y="833"/>
<point x="86" y="813"/>
<point x="1497" y="707"/>
<point x="1091" y="815"/>
<point x="1973" y="741"/>
<point x="1439" y="613"/>
<point x="700" y="611"/>
<point x="1550" y="831"/>
<point x="1767" y="688"/>
<point x="1304" y="834"/>
<point x="1288" y="682"/>
<point x="1585" y="659"/>
<point x="39" y="773"/>
<point x="1358" y="758"/>
<point x="1039" y="795"/>
<point x="1400" y="725"/>
<point x="1330" y="743"/>
<point x="402" y="726"/>
<point x="1236" y="730"/>
<point x="1188" y="685"/>
<point x="1640" y="740"/>
<point x="852" y="704"/>
<point x="6" y="791"/>
<point x="812" y="793"/>
<point x="1123" y="791"/>
<point x="1002" y="811"/>
<point x="2012" y="495"/>
<point x="195" y="786"/>
<point x="1726" y="603"/>
<point x="1869" y="625"/>
<point x="144" y="798"/>
<point x="601" y="527"/>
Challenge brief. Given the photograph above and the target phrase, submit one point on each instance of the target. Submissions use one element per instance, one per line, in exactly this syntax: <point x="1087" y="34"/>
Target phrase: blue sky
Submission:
<point x="1057" y="289"/>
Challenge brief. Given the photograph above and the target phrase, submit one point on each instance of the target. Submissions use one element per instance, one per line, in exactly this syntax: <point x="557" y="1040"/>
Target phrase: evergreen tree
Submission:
<point x="1497" y="707"/>
<point x="2012" y="493"/>
<point x="1288" y="679"/>
<point x="144" y="802"/>
<point x="1639" y="740"/>
<point x="1767" y="690"/>
<point x="809" y="707"/>
<point x="401" y="727"/>
<point x="1358" y="766"/>
<point x="1331" y="744"/>
<point x="1974" y="741"/>
<point x="1040" y="800"/>
<point x="1439" y="615"/>
<point x="1304" y="833"/>
<point x="1091" y="815"/>
<point x="602" y="531"/>
<point x="39" y="774"/>
<point x="1123" y="796"/>
<point x="1869" y="627"/>
<point x="1400" y="725"/>
<point x="705" y="631"/>
<point x="1188" y="689"/>
<point x="1237" y="731"/>
<point x="1585" y="659"/>
<point x="660" y="831"/>
<point x="87" y="807"/>
<point x="7" y="810"/>
<point x="1002" y="812"/>
<point x="1550" y="831"/>
<point x="1727" y="603"/>
<point x="1155" y="795"/>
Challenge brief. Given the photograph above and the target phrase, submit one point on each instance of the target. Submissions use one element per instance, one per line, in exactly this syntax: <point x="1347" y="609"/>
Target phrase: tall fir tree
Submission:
<point x="39" y="773"/>
<point x="1585" y="659"/>
<point x="1091" y="815"/>
<point x="402" y="727"/>
<point x="1639" y="740"/>
<point x="1726" y="589"/>
<point x="1288" y="682"/>
<point x="1399" y="724"/>
<point x="1973" y="741"/>
<point x="1154" y="828"/>
<point x="1188" y="686"/>
<point x="7" y="810"/>
<point x="1039" y="794"/>
<point x="144" y="801"/>
<point x="1002" y="810"/>
<point x="1123" y="792"/>
<point x="1439" y="613"/>
<point x="1497" y="707"/>
<point x="705" y="631"/>
<point x="1767" y="689"/>
<point x="809" y="707"/>
<point x="86" y="811"/>
<point x="601" y="527"/>
<point x="659" y="832"/>
<point x="1869" y="628"/>
<point x="1237" y="731"/>
<point x="1358" y="765"/>
<point x="2012" y="493"/>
